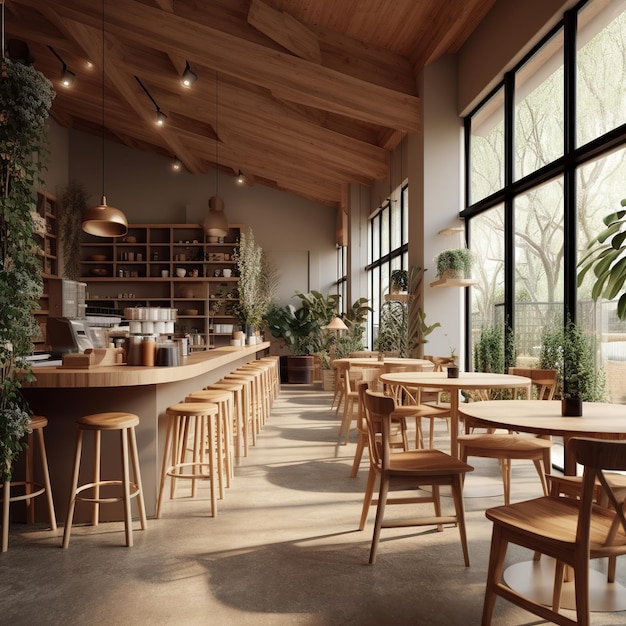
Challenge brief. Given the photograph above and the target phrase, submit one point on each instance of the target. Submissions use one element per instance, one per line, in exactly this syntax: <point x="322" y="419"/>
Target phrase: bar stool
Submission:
<point x="200" y="422"/>
<point x="224" y="401"/>
<point x="250" y="411"/>
<point x="260" y="371"/>
<point x="98" y="423"/>
<point x="240" y="431"/>
<point x="275" y="373"/>
<point x="36" y="425"/>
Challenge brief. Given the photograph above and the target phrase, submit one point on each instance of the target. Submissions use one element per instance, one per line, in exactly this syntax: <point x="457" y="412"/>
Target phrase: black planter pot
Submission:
<point x="453" y="372"/>
<point x="300" y="369"/>
<point x="571" y="407"/>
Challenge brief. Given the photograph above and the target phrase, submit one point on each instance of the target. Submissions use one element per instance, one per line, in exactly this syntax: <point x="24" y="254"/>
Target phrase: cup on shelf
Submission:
<point x="165" y="273"/>
<point x="227" y="273"/>
<point x="180" y="272"/>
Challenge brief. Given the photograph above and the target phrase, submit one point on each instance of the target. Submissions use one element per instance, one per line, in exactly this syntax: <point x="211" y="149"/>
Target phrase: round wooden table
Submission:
<point x="543" y="417"/>
<point x="424" y="364"/>
<point x="466" y="380"/>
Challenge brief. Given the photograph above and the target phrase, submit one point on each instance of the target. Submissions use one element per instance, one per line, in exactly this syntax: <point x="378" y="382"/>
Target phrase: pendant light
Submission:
<point x="215" y="223"/>
<point x="104" y="220"/>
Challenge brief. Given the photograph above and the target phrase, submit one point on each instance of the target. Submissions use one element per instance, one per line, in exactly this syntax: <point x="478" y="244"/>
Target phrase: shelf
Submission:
<point x="453" y="230"/>
<point x="398" y="297"/>
<point x="454" y="282"/>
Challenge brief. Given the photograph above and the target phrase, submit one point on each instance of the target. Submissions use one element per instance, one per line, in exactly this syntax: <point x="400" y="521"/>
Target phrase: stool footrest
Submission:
<point x="134" y="491"/>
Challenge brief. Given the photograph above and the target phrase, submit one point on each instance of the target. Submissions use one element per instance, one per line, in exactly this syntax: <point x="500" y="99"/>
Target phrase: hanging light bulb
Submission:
<point x="241" y="179"/>
<point x="189" y="77"/>
<point x="176" y="164"/>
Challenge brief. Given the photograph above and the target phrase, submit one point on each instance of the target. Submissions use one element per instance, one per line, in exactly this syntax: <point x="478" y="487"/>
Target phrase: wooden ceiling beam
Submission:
<point x="320" y="86"/>
<point x="285" y="30"/>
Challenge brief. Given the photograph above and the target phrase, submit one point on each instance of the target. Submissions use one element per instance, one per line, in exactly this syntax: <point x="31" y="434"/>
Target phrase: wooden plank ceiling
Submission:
<point x="306" y="96"/>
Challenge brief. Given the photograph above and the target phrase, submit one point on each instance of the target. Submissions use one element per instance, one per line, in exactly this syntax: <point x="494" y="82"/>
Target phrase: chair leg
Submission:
<point x="437" y="504"/>
<point x="134" y="455"/>
<point x="380" y="513"/>
<point x="459" y="507"/>
<point x="367" y="501"/>
<point x="46" y="479"/>
<point x="6" y="494"/>
<point x="72" y="503"/>
<point x="558" y="586"/>
<point x="542" y="475"/>
<point x="358" y="455"/>
<point x="497" y="555"/>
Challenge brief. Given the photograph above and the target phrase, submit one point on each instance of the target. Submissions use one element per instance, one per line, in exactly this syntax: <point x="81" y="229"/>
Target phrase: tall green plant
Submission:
<point x="489" y="350"/>
<point x="25" y="100"/>
<point x="570" y="351"/>
<point x="249" y="259"/>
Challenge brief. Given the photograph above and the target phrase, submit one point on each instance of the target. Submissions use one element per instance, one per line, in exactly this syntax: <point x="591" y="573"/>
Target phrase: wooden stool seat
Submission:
<point x="32" y="488"/>
<point x="199" y="424"/>
<point x="97" y="423"/>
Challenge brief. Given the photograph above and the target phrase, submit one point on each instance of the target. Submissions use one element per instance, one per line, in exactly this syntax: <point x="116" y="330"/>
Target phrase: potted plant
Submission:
<point x="606" y="257"/>
<point x="252" y="298"/>
<point x="570" y="351"/>
<point x="454" y="264"/>
<point x="26" y="96"/>
<point x="399" y="281"/>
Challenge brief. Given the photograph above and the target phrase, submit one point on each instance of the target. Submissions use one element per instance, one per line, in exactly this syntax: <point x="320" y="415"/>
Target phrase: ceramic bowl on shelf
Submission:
<point x="98" y="257"/>
<point x="191" y="312"/>
<point x="181" y="272"/>
<point x="98" y="271"/>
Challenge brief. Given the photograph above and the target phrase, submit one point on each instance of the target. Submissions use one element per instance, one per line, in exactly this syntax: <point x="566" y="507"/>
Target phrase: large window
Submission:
<point x="388" y="250"/>
<point x="546" y="162"/>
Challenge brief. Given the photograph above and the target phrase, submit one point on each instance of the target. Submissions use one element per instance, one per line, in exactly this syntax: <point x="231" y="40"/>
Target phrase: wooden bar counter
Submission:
<point x="63" y="395"/>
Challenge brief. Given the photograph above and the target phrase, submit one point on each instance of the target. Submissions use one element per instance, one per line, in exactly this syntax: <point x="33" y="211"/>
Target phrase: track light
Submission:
<point x="160" y="116"/>
<point x="189" y="76"/>
<point x="241" y="179"/>
<point x="176" y="164"/>
<point x="67" y="77"/>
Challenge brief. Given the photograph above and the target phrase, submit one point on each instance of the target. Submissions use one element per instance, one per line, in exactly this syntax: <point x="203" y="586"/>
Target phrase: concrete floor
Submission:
<point x="284" y="549"/>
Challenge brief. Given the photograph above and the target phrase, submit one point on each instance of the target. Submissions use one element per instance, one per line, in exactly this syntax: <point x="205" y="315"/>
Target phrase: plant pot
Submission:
<point x="572" y="407"/>
<point x="328" y="380"/>
<point x="300" y="369"/>
<point x="453" y="372"/>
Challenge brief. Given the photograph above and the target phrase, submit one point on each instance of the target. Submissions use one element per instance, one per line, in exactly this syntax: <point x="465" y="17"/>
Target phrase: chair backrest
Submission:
<point x="544" y="380"/>
<point x="363" y="354"/>
<point x="598" y="456"/>
<point x="401" y="394"/>
<point x="378" y="408"/>
<point x="439" y="362"/>
<point x="358" y="373"/>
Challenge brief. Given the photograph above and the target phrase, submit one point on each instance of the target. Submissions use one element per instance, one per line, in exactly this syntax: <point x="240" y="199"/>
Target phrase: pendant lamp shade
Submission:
<point x="104" y="221"/>
<point x="215" y="223"/>
<point x="336" y="324"/>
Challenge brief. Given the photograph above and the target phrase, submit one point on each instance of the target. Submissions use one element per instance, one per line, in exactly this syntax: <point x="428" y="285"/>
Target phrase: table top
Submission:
<point x="374" y="362"/>
<point x="466" y="380"/>
<point x="543" y="417"/>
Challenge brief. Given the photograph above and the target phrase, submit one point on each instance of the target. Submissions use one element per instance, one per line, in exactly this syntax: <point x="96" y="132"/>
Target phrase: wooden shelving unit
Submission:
<point x="47" y="208"/>
<point x="140" y="270"/>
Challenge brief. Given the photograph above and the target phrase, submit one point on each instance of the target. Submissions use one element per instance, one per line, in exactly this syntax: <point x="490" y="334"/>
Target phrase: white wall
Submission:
<point x="298" y="235"/>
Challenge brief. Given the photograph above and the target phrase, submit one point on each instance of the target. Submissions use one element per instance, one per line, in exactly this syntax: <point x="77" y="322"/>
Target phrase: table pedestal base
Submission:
<point x="535" y="579"/>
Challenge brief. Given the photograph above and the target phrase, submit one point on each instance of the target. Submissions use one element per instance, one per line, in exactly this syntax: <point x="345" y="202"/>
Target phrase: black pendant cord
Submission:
<point x="217" y="139"/>
<point x="103" y="98"/>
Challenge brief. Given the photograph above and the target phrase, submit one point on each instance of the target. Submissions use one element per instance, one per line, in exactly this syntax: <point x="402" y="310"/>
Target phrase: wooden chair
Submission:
<point x="507" y="447"/>
<point x="399" y="438"/>
<point x="353" y="375"/>
<point x="409" y="400"/>
<point x="408" y="470"/>
<point x="570" y="530"/>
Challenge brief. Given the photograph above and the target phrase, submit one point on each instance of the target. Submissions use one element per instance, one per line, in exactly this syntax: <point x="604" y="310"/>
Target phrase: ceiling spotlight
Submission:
<point x="160" y="116"/>
<point x="67" y="77"/>
<point x="241" y="179"/>
<point x="189" y="76"/>
<point x="177" y="164"/>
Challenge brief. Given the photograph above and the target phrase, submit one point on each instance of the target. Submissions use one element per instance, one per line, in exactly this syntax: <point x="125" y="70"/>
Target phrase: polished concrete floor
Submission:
<point x="284" y="549"/>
